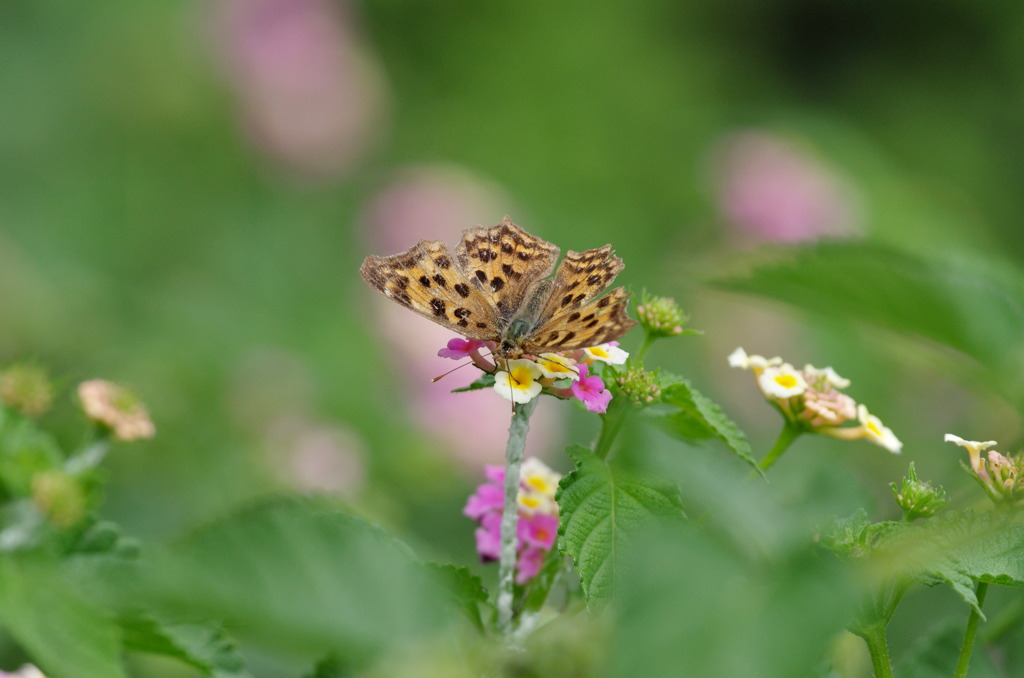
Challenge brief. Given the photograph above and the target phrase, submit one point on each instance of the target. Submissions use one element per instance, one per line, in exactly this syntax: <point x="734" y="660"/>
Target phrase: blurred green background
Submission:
<point x="187" y="190"/>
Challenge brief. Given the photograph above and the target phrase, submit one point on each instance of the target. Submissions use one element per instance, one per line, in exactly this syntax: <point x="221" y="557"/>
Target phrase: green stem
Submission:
<point x="786" y="437"/>
<point x="972" y="629"/>
<point x="611" y="424"/>
<point x="510" y="514"/>
<point x="874" y="636"/>
<point x="644" y="348"/>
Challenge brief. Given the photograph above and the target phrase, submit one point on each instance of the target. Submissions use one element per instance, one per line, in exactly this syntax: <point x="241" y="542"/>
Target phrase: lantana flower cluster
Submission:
<point x="812" y="399"/>
<point x="565" y="375"/>
<point x="117" y="409"/>
<point x="538" y="516"/>
<point x="1001" y="476"/>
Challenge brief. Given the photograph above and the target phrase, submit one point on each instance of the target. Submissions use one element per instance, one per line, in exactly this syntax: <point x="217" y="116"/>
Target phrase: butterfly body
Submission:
<point x="497" y="288"/>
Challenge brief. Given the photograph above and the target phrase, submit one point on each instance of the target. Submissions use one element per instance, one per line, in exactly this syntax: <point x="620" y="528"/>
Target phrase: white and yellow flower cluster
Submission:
<point x="523" y="379"/>
<point x="1000" y="475"/>
<point x="812" y="399"/>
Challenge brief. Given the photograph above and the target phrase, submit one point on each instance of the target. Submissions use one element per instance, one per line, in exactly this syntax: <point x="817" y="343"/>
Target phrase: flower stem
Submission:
<point x="874" y="636"/>
<point x="611" y="424"/>
<point x="786" y="437"/>
<point x="510" y="514"/>
<point x="972" y="629"/>
<point x="644" y="348"/>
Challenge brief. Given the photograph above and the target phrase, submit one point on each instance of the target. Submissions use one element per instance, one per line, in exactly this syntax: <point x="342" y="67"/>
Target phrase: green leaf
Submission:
<point x="973" y="308"/>
<point x="465" y="589"/>
<point x="65" y="634"/>
<point x="601" y="509"/>
<point x="24" y="452"/>
<point x="203" y="646"/>
<point x="485" y="381"/>
<point x="305" y="577"/>
<point x="693" y="416"/>
<point x="957" y="548"/>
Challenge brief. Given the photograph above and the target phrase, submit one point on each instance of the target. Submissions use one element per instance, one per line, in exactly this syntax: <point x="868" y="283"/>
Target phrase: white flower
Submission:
<point x="558" y="366"/>
<point x="973" y="446"/>
<point x="782" y="381"/>
<point x="607" y="353"/>
<point x="875" y="431"/>
<point x="520" y="382"/>
<point x="974" y="449"/>
<point x="739" y="358"/>
<point x="813" y="373"/>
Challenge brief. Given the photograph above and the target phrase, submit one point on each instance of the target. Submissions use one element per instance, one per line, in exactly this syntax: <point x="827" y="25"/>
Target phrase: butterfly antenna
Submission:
<point x="442" y="376"/>
<point x="571" y="368"/>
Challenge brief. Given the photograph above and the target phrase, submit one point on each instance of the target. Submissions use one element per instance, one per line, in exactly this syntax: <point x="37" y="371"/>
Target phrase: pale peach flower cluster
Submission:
<point x="116" y="408"/>
<point x="813" y="400"/>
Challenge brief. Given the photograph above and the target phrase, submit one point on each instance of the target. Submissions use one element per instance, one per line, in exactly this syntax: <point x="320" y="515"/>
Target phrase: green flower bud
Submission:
<point x="26" y="388"/>
<point x="660" y="316"/>
<point x="918" y="499"/>
<point x="59" y="497"/>
<point x="640" y="386"/>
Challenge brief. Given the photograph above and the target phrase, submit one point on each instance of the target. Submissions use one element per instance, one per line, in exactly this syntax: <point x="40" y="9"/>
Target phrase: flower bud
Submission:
<point x="640" y="386"/>
<point x="918" y="499"/>
<point x="27" y="389"/>
<point x="660" y="316"/>
<point x="59" y="497"/>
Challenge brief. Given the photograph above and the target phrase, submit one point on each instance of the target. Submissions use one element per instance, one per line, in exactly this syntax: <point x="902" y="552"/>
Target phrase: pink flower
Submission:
<point x="488" y="537"/>
<point x="591" y="391"/>
<point x="488" y="497"/>
<point x="537" y="522"/>
<point x="538" y="530"/>
<point x="770" y="188"/>
<point x="459" y="348"/>
<point x="530" y="561"/>
<point x="310" y="94"/>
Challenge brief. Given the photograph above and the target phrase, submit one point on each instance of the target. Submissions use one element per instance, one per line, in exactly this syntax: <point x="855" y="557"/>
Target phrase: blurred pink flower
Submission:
<point x="271" y="395"/>
<point x="424" y="202"/>
<point x="436" y="203"/>
<point x="310" y="95"/>
<point x="537" y="525"/>
<point x="317" y="457"/>
<point x="770" y="189"/>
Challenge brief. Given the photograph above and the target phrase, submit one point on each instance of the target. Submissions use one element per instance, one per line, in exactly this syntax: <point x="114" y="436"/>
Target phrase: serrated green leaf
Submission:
<point x="600" y="510"/>
<point x="693" y="416"/>
<point x="203" y="646"/>
<point x="301" y="575"/>
<point x="65" y="634"/>
<point x="957" y="548"/>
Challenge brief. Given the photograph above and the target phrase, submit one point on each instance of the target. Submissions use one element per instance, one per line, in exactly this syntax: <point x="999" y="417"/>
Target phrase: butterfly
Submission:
<point x="498" y="288"/>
